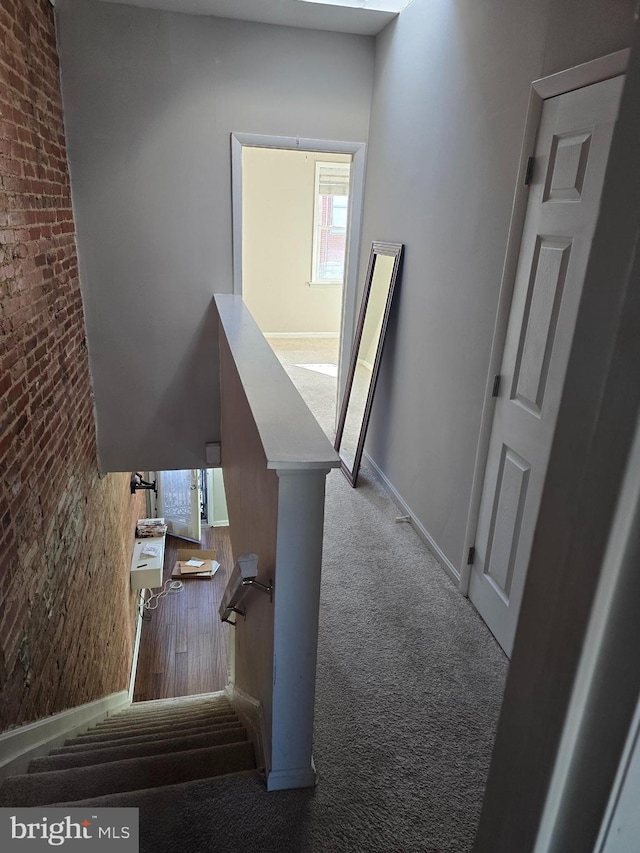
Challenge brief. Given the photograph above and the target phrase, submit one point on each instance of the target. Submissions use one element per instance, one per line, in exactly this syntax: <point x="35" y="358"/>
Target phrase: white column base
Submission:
<point x="299" y="777"/>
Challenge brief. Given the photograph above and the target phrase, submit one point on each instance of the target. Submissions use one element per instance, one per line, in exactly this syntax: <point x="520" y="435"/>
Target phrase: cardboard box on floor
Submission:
<point x="184" y="554"/>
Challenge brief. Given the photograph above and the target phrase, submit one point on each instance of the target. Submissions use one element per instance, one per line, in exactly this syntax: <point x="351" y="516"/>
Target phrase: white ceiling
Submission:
<point x="292" y="13"/>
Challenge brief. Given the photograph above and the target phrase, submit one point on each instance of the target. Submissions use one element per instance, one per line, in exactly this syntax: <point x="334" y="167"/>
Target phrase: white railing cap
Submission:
<point x="291" y="437"/>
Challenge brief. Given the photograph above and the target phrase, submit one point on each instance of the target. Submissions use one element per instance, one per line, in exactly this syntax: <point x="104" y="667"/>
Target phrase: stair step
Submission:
<point x="33" y="789"/>
<point x="210" y="789"/>
<point x="136" y="710"/>
<point x="154" y="747"/>
<point x="165" y="706"/>
<point x="123" y="719"/>
<point x="157" y="737"/>
<point x="98" y="735"/>
<point x="219" y="696"/>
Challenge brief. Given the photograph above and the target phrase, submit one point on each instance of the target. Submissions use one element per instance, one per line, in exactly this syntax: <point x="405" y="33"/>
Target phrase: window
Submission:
<point x="331" y="214"/>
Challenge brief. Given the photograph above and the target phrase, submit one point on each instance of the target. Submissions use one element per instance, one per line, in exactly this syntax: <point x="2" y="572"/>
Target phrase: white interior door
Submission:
<point x="179" y="502"/>
<point x="570" y="159"/>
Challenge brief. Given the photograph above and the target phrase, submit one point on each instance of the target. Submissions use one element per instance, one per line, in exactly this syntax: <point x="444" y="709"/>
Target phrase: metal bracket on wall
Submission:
<point x="138" y="483"/>
<point x="268" y="589"/>
<point x="242" y="579"/>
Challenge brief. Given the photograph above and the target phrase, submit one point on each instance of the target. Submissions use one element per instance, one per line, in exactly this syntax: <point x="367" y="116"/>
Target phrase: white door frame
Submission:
<point x="192" y="532"/>
<point x="577" y="77"/>
<point x="324" y="146"/>
<point x="572" y="687"/>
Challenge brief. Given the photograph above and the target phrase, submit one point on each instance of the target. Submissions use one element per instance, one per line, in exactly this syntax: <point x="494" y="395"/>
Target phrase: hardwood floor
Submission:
<point x="183" y="645"/>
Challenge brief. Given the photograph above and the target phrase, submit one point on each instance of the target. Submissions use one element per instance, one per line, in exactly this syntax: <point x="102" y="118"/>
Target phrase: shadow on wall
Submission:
<point x="171" y="436"/>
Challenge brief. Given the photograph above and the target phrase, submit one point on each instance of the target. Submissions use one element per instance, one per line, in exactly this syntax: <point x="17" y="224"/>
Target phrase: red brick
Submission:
<point x="59" y="520"/>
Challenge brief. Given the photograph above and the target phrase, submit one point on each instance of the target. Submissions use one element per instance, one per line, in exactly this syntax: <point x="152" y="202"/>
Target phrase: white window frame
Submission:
<point x="317" y="225"/>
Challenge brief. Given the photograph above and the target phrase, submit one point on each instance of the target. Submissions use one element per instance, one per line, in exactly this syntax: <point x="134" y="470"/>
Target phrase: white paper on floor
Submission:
<point x="327" y="369"/>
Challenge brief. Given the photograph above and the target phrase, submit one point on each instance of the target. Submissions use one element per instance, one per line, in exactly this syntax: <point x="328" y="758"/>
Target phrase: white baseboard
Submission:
<point x="301" y="335"/>
<point x="422" y="532"/>
<point x="19" y="746"/>
<point x="300" y="777"/>
<point x="136" y="645"/>
<point x="249" y="709"/>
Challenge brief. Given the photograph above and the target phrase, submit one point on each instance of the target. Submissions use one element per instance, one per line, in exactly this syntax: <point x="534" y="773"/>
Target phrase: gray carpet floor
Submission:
<point x="318" y="390"/>
<point x="408" y="674"/>
<point x="409" y="685"/>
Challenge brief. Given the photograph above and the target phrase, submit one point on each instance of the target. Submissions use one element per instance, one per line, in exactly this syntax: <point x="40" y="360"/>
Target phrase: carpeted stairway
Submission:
<point x="150" y="745"/>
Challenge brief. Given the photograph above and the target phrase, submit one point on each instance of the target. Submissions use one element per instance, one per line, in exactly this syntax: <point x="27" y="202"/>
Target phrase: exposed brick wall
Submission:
<point x="66" y="613"/>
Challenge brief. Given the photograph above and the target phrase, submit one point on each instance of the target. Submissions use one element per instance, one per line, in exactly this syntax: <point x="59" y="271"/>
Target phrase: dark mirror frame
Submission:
<point x="377" y="248"/>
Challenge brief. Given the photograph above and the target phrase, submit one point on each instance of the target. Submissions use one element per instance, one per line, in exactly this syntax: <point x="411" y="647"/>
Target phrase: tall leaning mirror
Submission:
<point x="382" y="276"/>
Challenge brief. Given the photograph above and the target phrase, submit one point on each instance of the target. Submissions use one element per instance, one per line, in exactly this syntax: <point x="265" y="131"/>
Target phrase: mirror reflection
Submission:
<point x="382" y="274"/>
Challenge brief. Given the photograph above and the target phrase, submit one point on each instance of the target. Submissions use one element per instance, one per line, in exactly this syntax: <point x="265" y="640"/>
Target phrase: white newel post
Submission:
<point x="296" y="602"/>
<point x="276" y="458"/>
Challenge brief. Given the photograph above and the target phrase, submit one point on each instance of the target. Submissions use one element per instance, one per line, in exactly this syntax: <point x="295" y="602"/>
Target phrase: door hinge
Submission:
<point x="496" y="385"/>
<point x="528" y="175"/>
<point x="471" y="555"/>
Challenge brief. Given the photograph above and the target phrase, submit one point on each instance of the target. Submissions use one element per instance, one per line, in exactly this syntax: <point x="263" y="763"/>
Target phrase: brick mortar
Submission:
<point x="67" y="615"/>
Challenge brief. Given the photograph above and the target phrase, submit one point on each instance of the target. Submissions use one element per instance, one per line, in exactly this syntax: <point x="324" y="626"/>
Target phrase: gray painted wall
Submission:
<point x="150" y="101"/>
<point x="451" y="90"/>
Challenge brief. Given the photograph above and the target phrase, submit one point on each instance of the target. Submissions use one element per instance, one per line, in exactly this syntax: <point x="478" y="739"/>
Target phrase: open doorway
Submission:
<point x="296" y="214"/>
<point x="189" y="500"/>
<point x="183" y="643"/>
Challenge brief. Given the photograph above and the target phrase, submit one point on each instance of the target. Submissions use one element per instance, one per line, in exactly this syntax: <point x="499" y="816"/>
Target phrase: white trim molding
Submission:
<point x="19" y="746"/>
<point x="595" y="71"/>
<point x="249" y="710"/>
<point x="283" y="780"/>
<point x="417" y="525"/>
<point x="136" y="646"/>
